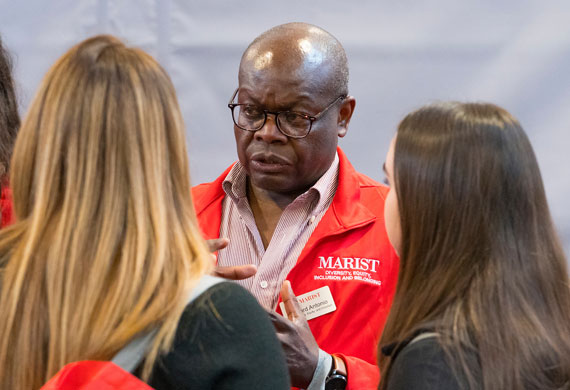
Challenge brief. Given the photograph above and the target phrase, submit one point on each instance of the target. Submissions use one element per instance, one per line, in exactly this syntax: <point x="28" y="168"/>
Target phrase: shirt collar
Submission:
<point x="234" y="183"/>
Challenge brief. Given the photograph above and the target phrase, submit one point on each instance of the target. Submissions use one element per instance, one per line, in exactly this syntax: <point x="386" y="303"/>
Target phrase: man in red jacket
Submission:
<point x="294" y="206"/>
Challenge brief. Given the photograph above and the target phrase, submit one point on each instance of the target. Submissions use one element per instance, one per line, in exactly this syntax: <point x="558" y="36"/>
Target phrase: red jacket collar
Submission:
<point x="346" y="211"/>
<point x="346" y="205"/>
<point x="206" y="194"/>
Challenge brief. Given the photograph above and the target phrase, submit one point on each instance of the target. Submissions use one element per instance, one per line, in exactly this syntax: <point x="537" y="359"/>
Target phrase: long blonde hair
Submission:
<point x="106" y="245"/>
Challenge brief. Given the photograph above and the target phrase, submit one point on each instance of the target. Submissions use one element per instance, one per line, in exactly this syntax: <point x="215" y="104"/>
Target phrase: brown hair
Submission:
<point x="106" y="245"/>
<point x="480" y="257"/>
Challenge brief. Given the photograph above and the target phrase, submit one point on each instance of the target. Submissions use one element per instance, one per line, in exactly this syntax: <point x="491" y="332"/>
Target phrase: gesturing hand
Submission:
<point x="299" y="344"/>
<point x="237" y="272"/>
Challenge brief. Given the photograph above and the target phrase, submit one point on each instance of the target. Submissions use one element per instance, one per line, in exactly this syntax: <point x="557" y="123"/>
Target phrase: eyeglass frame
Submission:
<point x="311" y="118"/>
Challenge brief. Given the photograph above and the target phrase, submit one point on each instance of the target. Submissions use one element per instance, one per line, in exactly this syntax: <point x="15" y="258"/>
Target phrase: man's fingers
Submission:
<point x="216" y="244"/>
<point x="237" y="272"/>
<point x="290" y="301"/>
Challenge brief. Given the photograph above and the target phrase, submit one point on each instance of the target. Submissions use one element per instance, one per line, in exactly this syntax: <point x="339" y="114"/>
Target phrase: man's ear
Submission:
<point x="344" y="115"/>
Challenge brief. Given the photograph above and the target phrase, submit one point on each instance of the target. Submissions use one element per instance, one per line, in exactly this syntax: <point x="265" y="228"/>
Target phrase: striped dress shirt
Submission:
<point x="295" y="226"/>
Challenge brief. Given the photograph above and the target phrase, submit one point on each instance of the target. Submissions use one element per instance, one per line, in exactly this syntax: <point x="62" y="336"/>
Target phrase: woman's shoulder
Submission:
<point x="422" y="364"/>
<point x="224" y="308"/>
<point x="224" y="297"/>
<point x="223" y="337"/>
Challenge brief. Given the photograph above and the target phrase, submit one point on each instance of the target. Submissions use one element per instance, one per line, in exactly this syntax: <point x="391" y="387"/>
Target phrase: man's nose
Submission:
<point x="269" y="132"/>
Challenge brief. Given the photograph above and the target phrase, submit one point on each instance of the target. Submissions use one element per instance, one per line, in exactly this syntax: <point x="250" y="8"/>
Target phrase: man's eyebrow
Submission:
<point x="303" y="99"/>
<point x="384" y="169"/>
<point x="247" y="96"/>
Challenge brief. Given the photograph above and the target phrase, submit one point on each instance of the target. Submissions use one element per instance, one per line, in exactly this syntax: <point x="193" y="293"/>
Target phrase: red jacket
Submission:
<point x="350" y="241"/>
<point x="6" y="206"/>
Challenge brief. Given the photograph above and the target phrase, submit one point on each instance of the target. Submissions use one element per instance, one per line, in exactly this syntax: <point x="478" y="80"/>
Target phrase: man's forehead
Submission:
<point x="308" y="67"/>
<point x="291" y="84"/>
<point x="298" y="52"/>
<point x="276" y="94"/>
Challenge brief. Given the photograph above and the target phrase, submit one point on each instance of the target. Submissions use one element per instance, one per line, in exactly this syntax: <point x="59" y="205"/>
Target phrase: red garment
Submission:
<point x="350" y="234"/>
<point x="6" y="206"/>
<point x="94" y="375"/>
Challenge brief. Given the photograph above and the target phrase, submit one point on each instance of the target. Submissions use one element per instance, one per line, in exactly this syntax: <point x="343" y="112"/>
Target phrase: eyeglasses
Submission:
<point x="293" y="124"/>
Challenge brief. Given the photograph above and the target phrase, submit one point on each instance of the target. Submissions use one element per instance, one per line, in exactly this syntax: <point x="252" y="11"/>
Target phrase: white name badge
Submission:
<point x="315" y="303"/>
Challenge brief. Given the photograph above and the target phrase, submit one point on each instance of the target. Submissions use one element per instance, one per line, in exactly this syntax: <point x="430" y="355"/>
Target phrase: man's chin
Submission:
<point x="269" y="182"/>
<point x="280" y="184"/>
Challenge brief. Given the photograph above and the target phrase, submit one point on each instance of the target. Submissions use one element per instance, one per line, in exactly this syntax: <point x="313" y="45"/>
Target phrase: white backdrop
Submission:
<point x="402" y="54"/>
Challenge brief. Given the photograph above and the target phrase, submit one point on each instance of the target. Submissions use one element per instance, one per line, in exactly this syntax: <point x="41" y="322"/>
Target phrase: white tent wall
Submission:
<point x="515" y="53"/>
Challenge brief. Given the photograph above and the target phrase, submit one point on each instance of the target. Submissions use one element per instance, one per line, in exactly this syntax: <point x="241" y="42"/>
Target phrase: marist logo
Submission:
<point x="349" y="268"/>
<point x="356" y="263"/>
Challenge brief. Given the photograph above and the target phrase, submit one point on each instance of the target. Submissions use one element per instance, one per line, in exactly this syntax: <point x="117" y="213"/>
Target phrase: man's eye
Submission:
<point x="294" y="119"/>
<point x="252" y="112"/>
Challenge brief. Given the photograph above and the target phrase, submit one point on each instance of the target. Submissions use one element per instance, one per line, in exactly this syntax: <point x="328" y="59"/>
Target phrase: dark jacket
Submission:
<point x="422" y="364"/>
<point x="224" y="340"/>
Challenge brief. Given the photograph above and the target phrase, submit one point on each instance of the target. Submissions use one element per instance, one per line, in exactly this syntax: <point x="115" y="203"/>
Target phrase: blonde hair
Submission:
<point x="106" y="245"/>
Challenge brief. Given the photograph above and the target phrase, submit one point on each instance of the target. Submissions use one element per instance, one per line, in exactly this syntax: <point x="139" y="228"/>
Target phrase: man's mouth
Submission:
<point x="268" y="162"/>
<point x="269" y="158"/>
